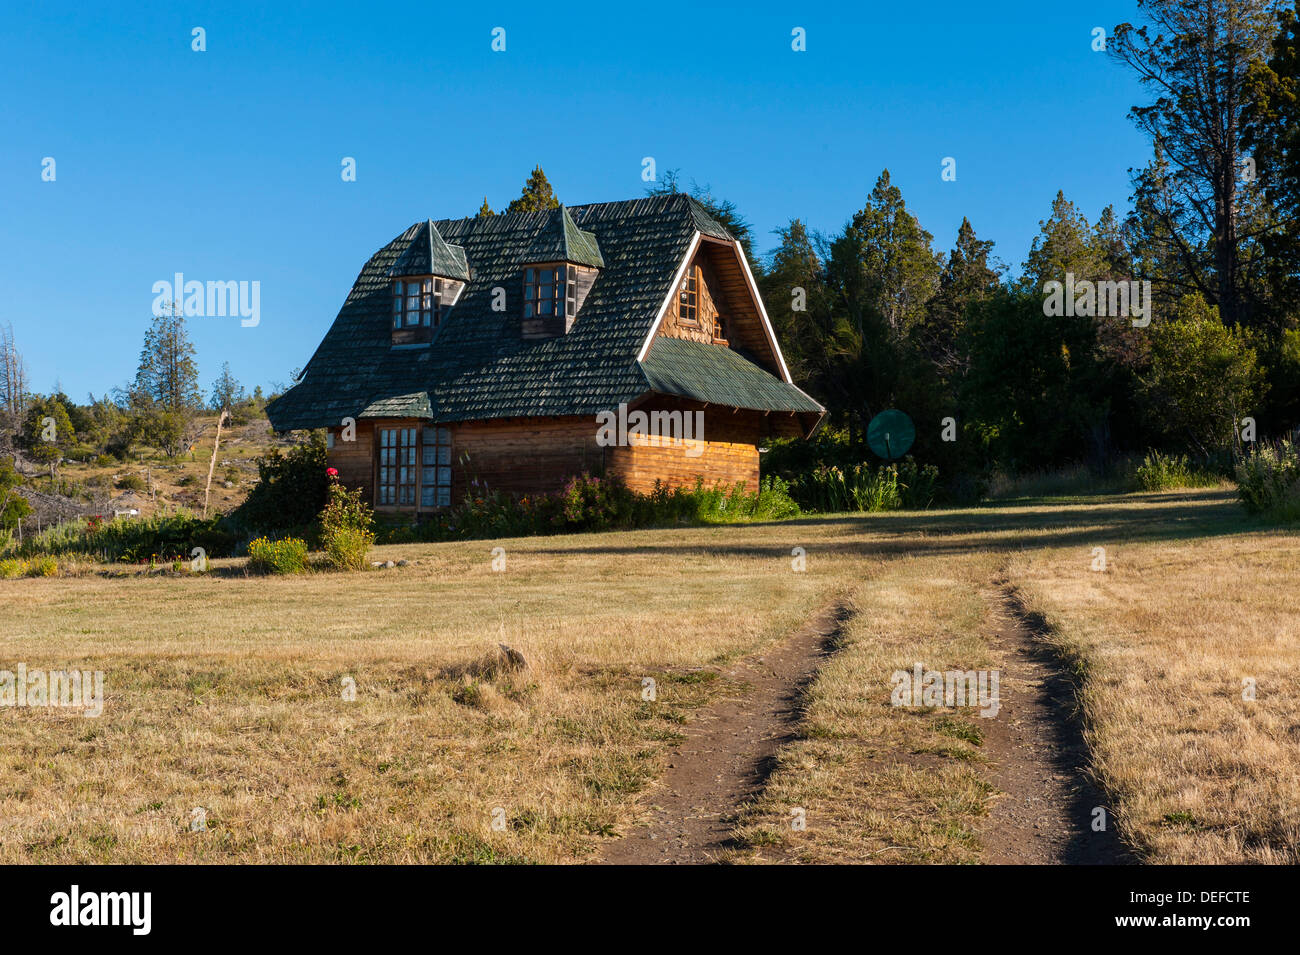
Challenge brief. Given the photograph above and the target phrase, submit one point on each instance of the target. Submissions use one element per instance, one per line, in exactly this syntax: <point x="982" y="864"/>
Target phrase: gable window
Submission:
<point x="435" y="477"/>
<point x="397" y="466"/>
<point x="419" y="302"/>
<point x="688" y="297"/>
<point x="549" y="291"/>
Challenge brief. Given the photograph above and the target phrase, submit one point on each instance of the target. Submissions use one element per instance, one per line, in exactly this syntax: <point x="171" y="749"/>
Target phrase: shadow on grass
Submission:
<point x="1022" y="525"/>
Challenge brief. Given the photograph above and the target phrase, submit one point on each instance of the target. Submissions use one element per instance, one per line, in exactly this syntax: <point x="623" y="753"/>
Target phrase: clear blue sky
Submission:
<point x="225" y="164"/>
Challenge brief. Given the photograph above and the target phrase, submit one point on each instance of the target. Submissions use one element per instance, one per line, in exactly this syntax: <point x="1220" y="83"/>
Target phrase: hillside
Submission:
<point x="148" y="481"/>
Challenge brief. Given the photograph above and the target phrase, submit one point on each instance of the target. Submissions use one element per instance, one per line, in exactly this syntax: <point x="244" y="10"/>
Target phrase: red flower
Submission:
<point x="332" y="472"/>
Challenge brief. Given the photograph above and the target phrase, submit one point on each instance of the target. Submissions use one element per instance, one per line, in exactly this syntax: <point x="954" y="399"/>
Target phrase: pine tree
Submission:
<point x="167" y="374"/>
<point x="798" y="302"/>
<point x="969" y="275"/>
<point x="226" y="390"/>
<point x="1064" y="245"/>
<point x="485" y="209"/>
<point x="884" y="262"/>
<point x="1199" y="58"/>
<point x="537" y="195"/>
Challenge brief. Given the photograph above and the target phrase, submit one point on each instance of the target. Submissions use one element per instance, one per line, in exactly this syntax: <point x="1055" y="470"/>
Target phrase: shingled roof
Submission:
<point x="562" y="241"/>
<point x="479" y="367"/>
<point x="429" y="254"/>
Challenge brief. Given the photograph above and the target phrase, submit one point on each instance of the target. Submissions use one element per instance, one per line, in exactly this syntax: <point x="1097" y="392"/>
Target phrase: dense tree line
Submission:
<point x="872" y="317"/>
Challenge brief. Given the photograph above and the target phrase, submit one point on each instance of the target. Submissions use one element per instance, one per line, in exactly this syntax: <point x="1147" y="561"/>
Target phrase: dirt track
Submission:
<point x="727" y="755"/>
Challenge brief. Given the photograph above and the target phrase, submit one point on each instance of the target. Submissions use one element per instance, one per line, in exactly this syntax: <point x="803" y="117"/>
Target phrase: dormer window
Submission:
<point x="549" y="291"/>
<point x="559" y="269"/>
<point x="420" y="302"/>
<point x="427" y="279"/>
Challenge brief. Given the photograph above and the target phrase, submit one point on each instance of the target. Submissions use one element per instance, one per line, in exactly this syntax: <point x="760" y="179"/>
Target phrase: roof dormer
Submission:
<point x="559" y="270"/>
<point x="426" y="281"/>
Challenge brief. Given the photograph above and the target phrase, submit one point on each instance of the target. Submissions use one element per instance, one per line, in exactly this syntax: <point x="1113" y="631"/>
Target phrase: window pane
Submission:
<point x="444" y="496"/>
<point x="444" y="476"/>
<point x="397" y="288"/>
<point x="444" y="455"/>
<point x="444" y="435"/>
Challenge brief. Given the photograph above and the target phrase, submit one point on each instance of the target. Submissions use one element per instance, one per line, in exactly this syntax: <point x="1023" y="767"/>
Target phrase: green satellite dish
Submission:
<point x="891" y="434"/>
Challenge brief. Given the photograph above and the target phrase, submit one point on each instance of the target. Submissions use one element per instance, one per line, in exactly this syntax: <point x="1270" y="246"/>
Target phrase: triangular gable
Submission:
<point x="744" y="304"/>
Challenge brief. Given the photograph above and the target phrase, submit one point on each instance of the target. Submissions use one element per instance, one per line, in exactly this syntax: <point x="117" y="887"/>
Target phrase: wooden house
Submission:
<point x="485" y="349"/>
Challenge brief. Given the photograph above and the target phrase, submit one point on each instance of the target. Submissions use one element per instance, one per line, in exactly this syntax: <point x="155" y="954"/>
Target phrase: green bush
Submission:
<point x="11" y="567"/>
<point x="290" y="492"/>
<point x="169" y="536"/>
<point x="131" y="482"/>
<point x="346" y="535"/>
<point x="42" y="567"/>
<point x="287" y="556"/>
<point x="1268" y="481"/>
<point x="346" y="548"/>
<point x="1163" y="472"/>
<point x="590" y="503"/>
<point x="861" y="487"/>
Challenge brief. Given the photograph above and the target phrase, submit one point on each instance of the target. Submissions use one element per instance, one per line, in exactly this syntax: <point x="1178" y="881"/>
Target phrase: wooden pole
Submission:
<point x="213" y="463"/>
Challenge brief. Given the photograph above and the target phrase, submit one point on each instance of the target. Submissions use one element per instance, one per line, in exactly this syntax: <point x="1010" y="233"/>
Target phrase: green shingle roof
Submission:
<point x="479" y="367"/>
<point x="718" y="376"/>
<point x="414" y="405"/>
<point x="429" y="254"/>
<point x="562" y="241"/>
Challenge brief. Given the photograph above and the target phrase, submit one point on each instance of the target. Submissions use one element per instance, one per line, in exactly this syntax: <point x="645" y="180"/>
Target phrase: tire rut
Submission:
<point x="1048" y="801"/>
<point x="728" y="755"/>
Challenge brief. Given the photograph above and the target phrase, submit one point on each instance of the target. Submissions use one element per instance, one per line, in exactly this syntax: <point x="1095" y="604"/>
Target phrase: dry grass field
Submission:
<point x="224" y="692"/>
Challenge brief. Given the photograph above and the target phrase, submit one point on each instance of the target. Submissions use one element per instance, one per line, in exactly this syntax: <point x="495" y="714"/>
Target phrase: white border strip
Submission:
<point x="663" y="309"/>
<point x="753" y="292"/>
<point x="762" y="312"/>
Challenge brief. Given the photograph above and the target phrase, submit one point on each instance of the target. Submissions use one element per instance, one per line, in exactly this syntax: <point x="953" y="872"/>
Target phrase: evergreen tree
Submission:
<point x="969" y="275"/>
<point x="1199" y="58"/>
<point x="1064" y="245"/>
<point x="226" y="390"/>
<point x="799" y="304"/>
<point x="884" y="263"/>
<point x="537" y="195"/>
<point x="485" y="209"/>
<point x="167" y="374"/>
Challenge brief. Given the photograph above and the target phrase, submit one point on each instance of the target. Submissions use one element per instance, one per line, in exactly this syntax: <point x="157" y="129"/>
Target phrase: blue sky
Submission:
<point x="225" y="164"/>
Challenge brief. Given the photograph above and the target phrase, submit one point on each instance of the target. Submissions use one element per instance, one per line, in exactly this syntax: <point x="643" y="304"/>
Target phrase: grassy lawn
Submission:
<point x="224" y="692"/>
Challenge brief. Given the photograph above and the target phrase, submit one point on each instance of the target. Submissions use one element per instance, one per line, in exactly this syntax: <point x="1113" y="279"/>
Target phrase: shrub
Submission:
<point x="860" y="487"/>
<point x="44" y="566"/>
<point x="165" y="536"/>
<point x="12" y="567"/>
<point x="346" y="534"/>
<point x="1163" y="472"/>
<point x="131" y="482"/>
<point x="1268" y="481"/>
<point x="591" y="503"/>
<point x="346" y="548"/>
<point x="105" y="461"/>
<point x="287" y="556"/>
<point x="290" y="492"/>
